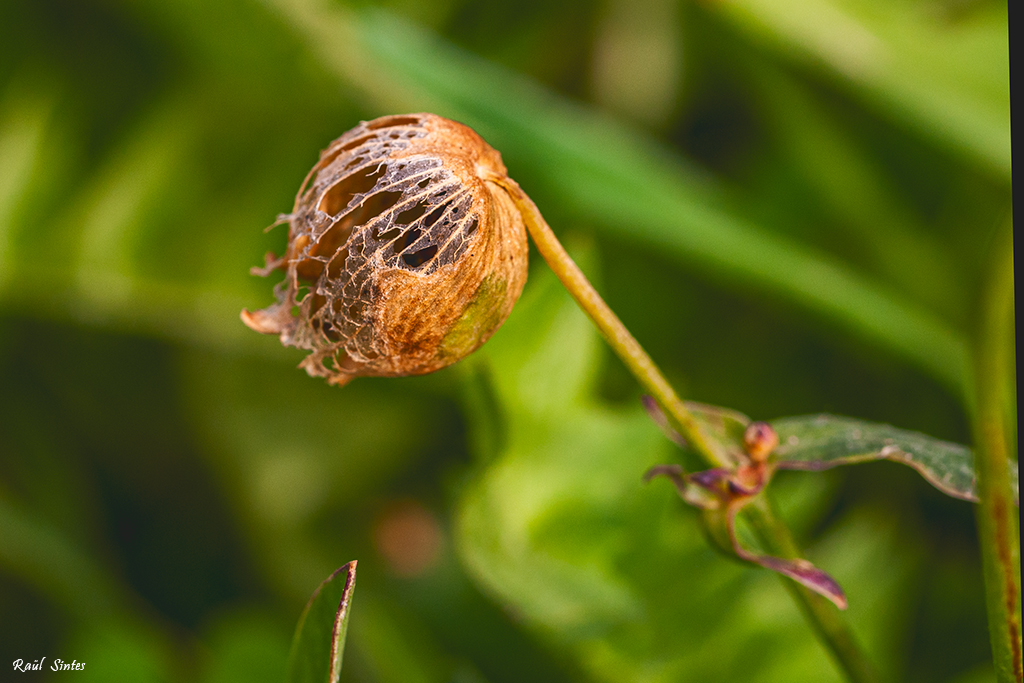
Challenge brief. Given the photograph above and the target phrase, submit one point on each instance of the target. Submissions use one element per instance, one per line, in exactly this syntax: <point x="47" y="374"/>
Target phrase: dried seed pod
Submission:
<point x="405" y="253"/>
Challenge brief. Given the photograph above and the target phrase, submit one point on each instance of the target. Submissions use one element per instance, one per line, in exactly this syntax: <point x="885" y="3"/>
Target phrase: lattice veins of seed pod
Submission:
<point x="405" y="251"/>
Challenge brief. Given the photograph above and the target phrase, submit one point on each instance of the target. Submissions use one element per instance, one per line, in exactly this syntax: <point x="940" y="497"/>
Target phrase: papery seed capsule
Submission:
<point x="405" y="253"/>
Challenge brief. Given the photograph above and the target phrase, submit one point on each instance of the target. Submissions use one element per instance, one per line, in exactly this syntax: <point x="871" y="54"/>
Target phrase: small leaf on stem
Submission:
<point x="818" y="442"/>
<point x="805" y="573"/>
<point x="658" y="416"/>
<point x="722" y="428"/>
<point x="721" y="494"/>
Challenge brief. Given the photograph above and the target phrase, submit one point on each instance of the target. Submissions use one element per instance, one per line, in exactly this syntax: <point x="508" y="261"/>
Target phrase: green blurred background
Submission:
<point x="788" y="202"/>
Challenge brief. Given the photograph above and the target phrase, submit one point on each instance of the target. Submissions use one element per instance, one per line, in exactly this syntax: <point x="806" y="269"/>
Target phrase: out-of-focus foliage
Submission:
<point x="788" y="203"/>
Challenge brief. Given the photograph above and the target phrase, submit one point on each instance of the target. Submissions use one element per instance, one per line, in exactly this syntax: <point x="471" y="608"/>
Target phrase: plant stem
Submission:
<point x="828" y="625"/>
<point x="822" y="615"/>
<point x="619" y="338"/>
<point x="995" y="442"/>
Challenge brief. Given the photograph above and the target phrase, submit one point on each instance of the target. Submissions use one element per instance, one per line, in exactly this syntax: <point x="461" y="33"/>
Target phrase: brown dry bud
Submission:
<point x="404" y="255"/>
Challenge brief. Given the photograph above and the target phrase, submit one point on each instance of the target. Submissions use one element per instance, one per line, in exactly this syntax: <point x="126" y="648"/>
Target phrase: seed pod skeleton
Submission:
<point x="405" y="253"/>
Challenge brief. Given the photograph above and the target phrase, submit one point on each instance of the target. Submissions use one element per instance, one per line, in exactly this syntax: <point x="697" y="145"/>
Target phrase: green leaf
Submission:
<point x="320" y="636"/>
<point x="818" y="442"/>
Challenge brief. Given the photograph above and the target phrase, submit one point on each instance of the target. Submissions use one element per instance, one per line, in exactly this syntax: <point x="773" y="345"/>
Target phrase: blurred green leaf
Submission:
<point x="818" y="442"/>
<point x="860" y="191"/>
<point x="542" y="362"/>
<point x="291" y="451"/>
<point x="115" y="634"/>
<point x="87" y="262"/>
<point x="123" y="653"/>
<point x="23" y="122"/>
<point x="941" y="67"/>
<point x="560" y="528"/>
<point x="245" y="646"/>
<point x="320" y="635"/>
<point x="42" y="556"/>
<point x="396" y="648"/>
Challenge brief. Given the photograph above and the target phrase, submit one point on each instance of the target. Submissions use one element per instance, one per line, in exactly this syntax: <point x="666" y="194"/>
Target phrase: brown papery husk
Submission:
<point x="372" y="295"/>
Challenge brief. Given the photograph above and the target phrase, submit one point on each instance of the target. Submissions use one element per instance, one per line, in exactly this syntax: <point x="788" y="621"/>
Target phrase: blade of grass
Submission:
<point x="43" y="557"/>
<point x="84" y="264"/>
<point x="119" y="200"/>
<point x="22" y="127"/>
<point x="947" y="76"/>
<point x="858" y="190"/>
<point x="994" y="438"/>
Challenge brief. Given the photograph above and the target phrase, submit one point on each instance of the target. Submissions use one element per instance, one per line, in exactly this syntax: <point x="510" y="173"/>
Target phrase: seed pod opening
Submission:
<point x="405" y="252"/>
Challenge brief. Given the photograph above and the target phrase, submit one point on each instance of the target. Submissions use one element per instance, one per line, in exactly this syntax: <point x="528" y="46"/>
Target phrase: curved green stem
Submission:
<point x="995" y="442"/>
<point x="828" y="624"/>
<point x="619" y="338"/>
<point x="822" y="616"/>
